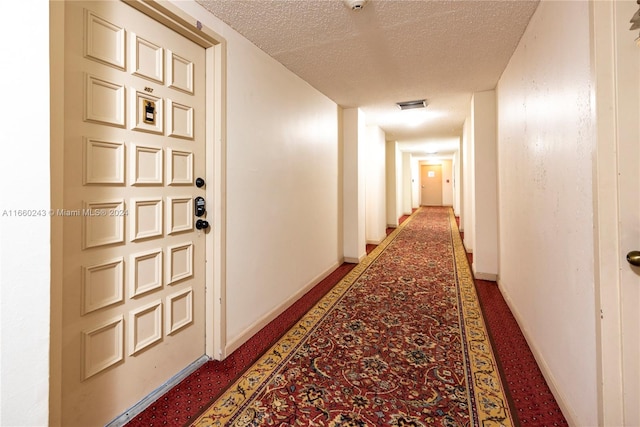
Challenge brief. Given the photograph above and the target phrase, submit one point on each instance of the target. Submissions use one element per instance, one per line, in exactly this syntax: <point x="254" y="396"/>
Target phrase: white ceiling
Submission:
<point x="390" y="51"/>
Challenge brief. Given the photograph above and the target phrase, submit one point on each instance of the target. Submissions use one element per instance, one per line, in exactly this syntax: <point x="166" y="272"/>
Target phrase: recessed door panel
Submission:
<point x="146" y="218"/>
<point x="103" y="223"/>
<point x="180" y="72"/>
<point x="146" y="272"/>
<point x="179" y="310"/>
<point x="103" y="162"/>
<point x="180" y="167"/>
<point x="180" y="262"/>
<point x="179" y="120"/>
<point x="179" y="215"/>
<point x="148" y="59"/>
<point x="146" y="165"/>
<point x="102" y="285"/>
<point x="104" y="41"/>
<point x="104" y="101"/>
<point x="102" y="347"/>
<point x="145" y="327"/>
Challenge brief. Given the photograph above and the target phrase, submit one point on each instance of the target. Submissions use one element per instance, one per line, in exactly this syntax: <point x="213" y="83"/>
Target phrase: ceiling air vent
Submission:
<point x="408" y="105"/>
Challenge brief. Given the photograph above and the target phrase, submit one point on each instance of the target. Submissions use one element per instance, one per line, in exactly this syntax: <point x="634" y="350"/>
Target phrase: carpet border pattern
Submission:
<point x="487" y="392"/>
<point x="487" y="395"/>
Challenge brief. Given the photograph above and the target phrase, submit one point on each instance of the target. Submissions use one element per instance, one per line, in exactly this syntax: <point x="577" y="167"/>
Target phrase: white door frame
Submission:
<point x="608" y="256"/>
<point x="215" y="275"/>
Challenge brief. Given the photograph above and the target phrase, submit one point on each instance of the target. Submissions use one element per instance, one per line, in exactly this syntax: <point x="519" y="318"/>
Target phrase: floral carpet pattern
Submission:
<point x="400" y="341"/>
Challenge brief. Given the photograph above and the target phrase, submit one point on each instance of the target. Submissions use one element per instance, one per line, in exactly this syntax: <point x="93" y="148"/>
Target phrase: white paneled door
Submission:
<point x="134" y="251"/>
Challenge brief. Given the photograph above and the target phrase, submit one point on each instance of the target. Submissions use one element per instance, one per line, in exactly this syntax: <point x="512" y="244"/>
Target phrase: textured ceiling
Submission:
<point x="390" y="51"/>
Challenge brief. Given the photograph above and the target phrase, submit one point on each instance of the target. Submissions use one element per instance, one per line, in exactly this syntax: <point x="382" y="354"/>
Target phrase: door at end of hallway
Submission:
<point x="431" y="185"/>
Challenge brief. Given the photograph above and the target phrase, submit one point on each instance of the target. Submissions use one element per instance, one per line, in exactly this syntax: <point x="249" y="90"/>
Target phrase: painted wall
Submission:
<point x="392" y="211"/>
<point x="468" y="192"/>
<point x="354" y="181"/>
<point x="283" y="184"/>
<point x="400" y="193"/>
<point x="447" y="183"/>
<point x="485" y="185"/>
<point x="457" y="183"/>
<point x="408" y="181"/>
<point x="375" y="186"/>
<point x="411" y="168"/>
<point x="546" y="149"/>
<point x="25" y="240"/>
<point x="416" y="192"/>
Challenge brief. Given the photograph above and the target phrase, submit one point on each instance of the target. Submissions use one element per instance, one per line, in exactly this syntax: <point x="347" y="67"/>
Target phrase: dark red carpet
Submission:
<point x="532" y="399"/>
<point x="196" y="393"/>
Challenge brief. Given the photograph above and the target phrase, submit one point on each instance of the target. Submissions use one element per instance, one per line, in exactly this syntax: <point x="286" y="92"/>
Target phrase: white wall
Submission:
<point x="24" y="241"/>
<point x="416" y="192"/>
<point x="375" y="186"/>
<point x="354" y="181"/>
<point x="468" y="198"/>
<point x="407" y="184"/>
<point x="546" y="149"/>
<point x="485" y="186"/>
<point x="391" y="184"/>
<point x="447" y="183"/>
<point x="400" y="193"/>
<point x="457" y="183"/>
<point x="283" y="184"/>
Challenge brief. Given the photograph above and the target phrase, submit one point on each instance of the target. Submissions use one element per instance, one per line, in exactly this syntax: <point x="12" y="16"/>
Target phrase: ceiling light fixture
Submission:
<point x="355" y="4"/>
<point x="409" y="105"/>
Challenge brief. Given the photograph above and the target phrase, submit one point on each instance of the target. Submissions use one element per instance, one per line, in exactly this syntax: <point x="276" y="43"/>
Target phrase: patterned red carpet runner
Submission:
<point x="400" y="341"/>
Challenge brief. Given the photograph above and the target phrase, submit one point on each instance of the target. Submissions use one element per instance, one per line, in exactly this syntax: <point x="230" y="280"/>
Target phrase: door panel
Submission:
<point x="431" y="184"/>
<point x="133" y="260"/>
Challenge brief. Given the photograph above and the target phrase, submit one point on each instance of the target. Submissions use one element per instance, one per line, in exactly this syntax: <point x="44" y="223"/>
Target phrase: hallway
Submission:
<point x="544" y="180"/>
<point x="530" y="397"/>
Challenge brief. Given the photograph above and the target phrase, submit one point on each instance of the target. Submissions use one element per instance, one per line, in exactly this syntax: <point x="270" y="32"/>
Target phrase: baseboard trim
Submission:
<point x="352" y="260"/>
<point x="486" y="276"/>
<point x="264" y="320"/>
<point x="544" y="368"/>
<point x="137" y="409"/>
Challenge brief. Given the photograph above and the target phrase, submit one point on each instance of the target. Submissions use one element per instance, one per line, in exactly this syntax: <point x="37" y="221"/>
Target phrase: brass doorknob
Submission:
<point x="633" y="258"/>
